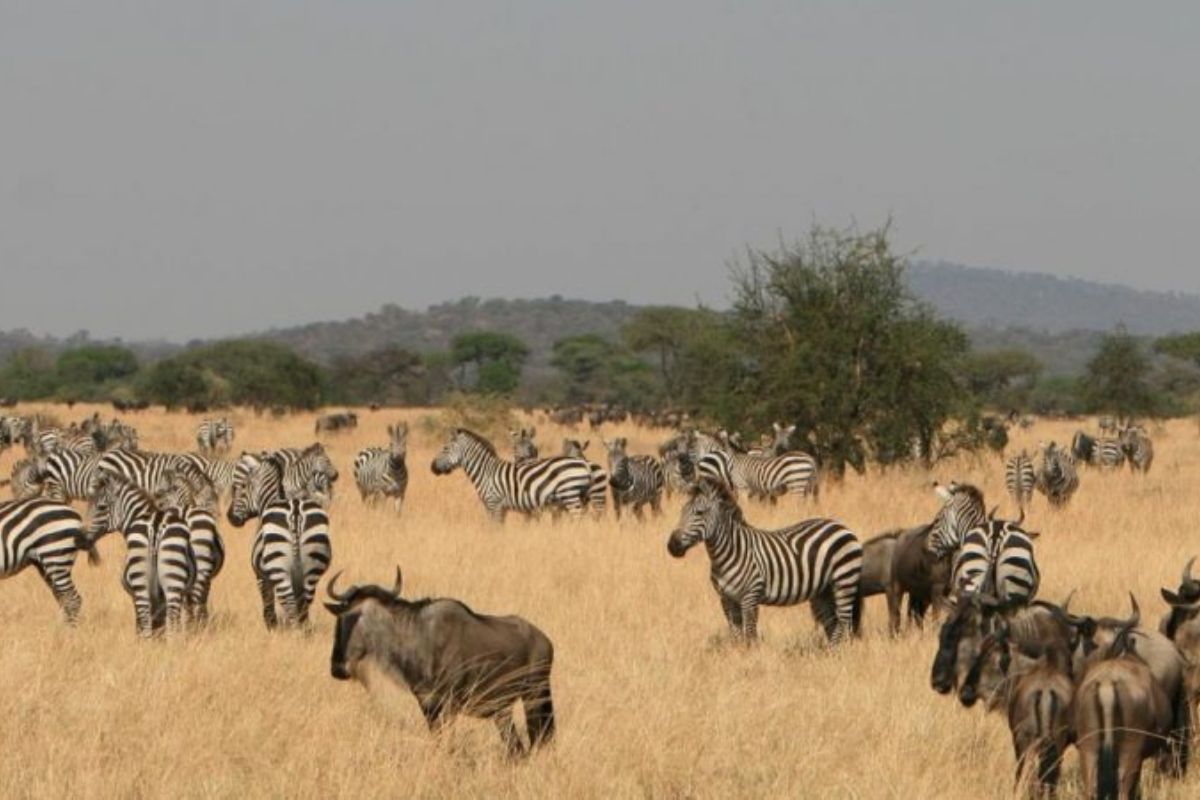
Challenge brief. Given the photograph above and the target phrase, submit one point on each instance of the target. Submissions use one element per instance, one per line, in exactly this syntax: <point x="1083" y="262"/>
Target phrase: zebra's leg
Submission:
<point x="750" y="618"/>
<point x="733" y="615"/>
<point x="58" y="578"/>
<point x="267" y="591"/>
<point x="198" y="600"/>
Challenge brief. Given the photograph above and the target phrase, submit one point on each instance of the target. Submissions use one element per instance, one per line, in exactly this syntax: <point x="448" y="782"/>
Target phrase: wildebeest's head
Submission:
<point x="1184" y="603"/>
<point x="1096" y="638"/>
<point x="356" y="610"/>
<point x="707" y="505"/>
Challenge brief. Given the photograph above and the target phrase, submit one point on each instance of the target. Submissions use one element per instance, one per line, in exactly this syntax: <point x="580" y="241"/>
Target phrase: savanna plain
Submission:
<point x="652" y="699"/>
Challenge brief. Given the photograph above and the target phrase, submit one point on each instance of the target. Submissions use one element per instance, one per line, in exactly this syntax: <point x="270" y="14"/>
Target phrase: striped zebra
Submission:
<point x="26" y="479"/>
<point x="160" y="567"/>
<point x="635" y="480"/>
<point x="193" y="498"/>
<point x="598" y="495"/>
<point x="672" y="453"/>
<point x="1137" y="447"/>
<point x="818" y="560"/>
<point x="381" y="472"/>
<point x="308" y="473"/>
<point x="145" y="470"/>
<point x="548" y="483"/>
<point x="214" y="436"/>
<point x="1019" y="479"/>
<point x="292" y="549"/>
<point x="45" y="535"/>
<point x="987" y="554"/>
<point x="1057" y="477"/>
<point x="1107" y="425"/>
<point x="11" y="431"/>
<point x="1103" y="452"/>
<point x="524" y="449"/>
<point x="758" y="476"/>
<point x="68" y="475"/>
<point x="219" y="471"/>
<point x="777" y="443"/>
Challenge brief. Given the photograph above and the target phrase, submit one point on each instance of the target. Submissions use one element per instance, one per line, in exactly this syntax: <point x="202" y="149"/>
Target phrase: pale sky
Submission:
<point x="178" y="170"/>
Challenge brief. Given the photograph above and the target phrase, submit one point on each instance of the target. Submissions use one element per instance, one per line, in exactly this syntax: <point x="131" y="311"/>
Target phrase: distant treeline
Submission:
<point x="823" y="333"/>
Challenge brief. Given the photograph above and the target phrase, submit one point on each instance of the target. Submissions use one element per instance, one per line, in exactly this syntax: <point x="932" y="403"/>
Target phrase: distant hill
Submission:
<point x="993" y="298"/>
<point x="1060" y="320"/>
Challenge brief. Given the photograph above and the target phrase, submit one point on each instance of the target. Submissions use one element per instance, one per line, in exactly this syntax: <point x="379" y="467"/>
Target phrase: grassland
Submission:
<point x="651" y="701"/>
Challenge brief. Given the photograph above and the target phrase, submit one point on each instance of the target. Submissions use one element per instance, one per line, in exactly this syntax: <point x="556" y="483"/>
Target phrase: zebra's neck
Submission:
<point x="722" y="535"/>
<point x="480" y="464"/>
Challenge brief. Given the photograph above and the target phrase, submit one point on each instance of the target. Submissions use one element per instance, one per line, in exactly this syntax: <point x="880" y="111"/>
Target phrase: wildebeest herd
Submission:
<point x="1114" y="689"/>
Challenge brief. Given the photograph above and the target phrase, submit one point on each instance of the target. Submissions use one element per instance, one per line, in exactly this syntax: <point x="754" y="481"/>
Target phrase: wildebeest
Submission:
<point x="912" y="571"/>
<point x="451" y="658"/>
<point x="1182" y="625"/>
<point x="340" y="421"/>
<point x="1122" y="715"/>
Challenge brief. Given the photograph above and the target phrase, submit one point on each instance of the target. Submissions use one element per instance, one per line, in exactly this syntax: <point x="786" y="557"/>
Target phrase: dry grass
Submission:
<point x="650" y="703"/>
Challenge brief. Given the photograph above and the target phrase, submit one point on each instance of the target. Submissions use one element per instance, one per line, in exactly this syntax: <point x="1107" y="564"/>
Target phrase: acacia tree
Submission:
<point x="1117" y="377"/>
<point x="489" y="362"/>
<point x="833" y="341"/>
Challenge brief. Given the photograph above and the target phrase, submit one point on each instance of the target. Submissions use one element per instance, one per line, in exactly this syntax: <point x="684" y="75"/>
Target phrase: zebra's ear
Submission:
<point x="942" y="492"/>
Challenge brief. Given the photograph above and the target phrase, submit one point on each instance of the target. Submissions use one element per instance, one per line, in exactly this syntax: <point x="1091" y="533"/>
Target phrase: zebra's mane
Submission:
<point x="479" y="439"/>
<point x="722" y="495"/>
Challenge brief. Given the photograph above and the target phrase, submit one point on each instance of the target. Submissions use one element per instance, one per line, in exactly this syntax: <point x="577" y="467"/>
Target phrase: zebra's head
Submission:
<point x="708" y="506"/>
<point x="320" y="461"/>
<point x="573" y="448"/>
<point x="523" y="447"/>
<point x="111" y="505"/>
<point x="962" y="509"/>
<point x="618" y="462"/>
<point x="398" y="440"/>
<point x="457" y="450"/>
<point x="240" y="499"/>
<point x="782" y="441"/>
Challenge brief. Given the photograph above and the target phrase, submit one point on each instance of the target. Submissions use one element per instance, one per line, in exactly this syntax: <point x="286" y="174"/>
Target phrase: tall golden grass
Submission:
<point x="651" y="701"/>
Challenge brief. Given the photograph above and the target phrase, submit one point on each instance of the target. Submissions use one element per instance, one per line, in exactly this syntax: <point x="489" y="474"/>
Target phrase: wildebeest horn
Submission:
<point x="1021" y="518"/>
<point x="333" y="595"/>
<point x="1187" y="570"/>
<point x="1137" y="613"/>
<point x="399" y="582"/>
<point x="1066" y="604"/>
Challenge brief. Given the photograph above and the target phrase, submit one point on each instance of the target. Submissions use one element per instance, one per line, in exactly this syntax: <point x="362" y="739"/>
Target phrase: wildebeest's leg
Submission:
<point x="539" y="712"/>
<point x="508" y="733"/>
<point x="895" y="595"/>
<point x="267" y="592"/>
<point x="918" y="605"/>
<point x="733" y="614"/>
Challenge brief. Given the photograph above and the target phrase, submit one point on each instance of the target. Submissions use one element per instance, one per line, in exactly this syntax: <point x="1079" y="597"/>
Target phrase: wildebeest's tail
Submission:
<point x="1048" y="705"/>
<point x="1108" y="785"/>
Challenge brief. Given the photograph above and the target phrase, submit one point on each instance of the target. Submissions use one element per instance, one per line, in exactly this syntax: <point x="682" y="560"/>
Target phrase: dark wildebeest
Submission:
<point x="1032" y="684"/>
<point x="452" y="659"/>
<point x="341" y="421"/>
<point x="918" y="573"/>
<point x="1181" y="625"/>
<point x="1121" y="714"/>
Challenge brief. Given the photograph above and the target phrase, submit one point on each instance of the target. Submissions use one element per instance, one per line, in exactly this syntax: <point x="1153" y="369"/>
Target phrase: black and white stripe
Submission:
<point x="292" y="549"/>
<point x="549" y="483"/>
<point x="218" y="470"/>
<point x="148" y="471"/>
<point x="635" y="480"/>
<point x="26" y="479"/>
<point x="598" y="494"/>
<point x="523" y="446"/>
<point x="962" y="511"/>
<point x="68" y="475"/>
<point x="381" y="472"/>
<point x="159" y="564"/>
<point x="1057" y="477"/>
<point x="1103" y="452"/>
<point x="818" y="560"/>
<point x="308" y="473"/>
<point x="1019" y="478"/>
<point x="193" y="497"/>
<point x="214" y="436"/>
<point x="45" y="535"/>
<point x="759" y="476"/>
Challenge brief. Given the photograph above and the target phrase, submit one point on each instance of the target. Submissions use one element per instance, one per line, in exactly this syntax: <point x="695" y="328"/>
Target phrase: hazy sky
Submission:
<point x="191" y="169"/>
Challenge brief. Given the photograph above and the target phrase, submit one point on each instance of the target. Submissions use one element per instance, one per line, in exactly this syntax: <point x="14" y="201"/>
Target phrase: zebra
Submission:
<point x="962" y="511"/>
<point x="192" y="496"/>
<point x="524" y="449"/>
<point x="598" y="495"/>
<point x="11" y="431"/>
<point x="292" y="548"/>
<point x="672" y="453"/>
<point x="308" y="473"/>
<point x="758" y="476"/>
<point x="1107" y="424"/>
<point x="219" y="471"/>
<point x="26" y="480"/>
<point x="1102" y="452"/>
<point x="381" y="471"/>
<point x="160" y="567"/>
<point x="635" y="480"/>
<point x="1057" y="477"/>
<point x="68" y="475"/>
<point x="1137" y="447"/>
<point x="554" y="483"/>
<point x="819" y="560"/>
<point x="1019" y="478"/>
<point x="214" y="436"/>
<point x="776" y="443"/>
<point x="45" y="535"/>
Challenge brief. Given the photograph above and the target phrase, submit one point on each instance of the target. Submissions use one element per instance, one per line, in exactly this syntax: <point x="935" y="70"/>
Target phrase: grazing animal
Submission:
<point x="333" y="423"/>
<point x="879" y="556"/>
<point x="818" y="560"/>
<point x="1121" y="716"/>
<point x="1019" y="479"/>
<point x="45" y="535"/>
<point x="292" y="548"/>
<point x="219" y="471"/>
<point x="1107" y="425"/>
<point x="1035" y="691"/>
<point x="673" y="454"/>
<point x="598" y="494"/>
<point x="1182" y="626"/>
<point x="917" y="573"/>
<point x="1138" y="448"/>
<point x="452" y="659"/>
<point x="549" y="483"/>
<point x="159" y="564"/>
<point x="214" y="436"/>
<point x="523" y="447"/>
<point x="1102" y="452"/>
<point x="193" y="498"/>
<point x="381" y="472"/>
<point x="635" y="480"/>
<point x="68" y="475"/>
<point x="758" y="476"/>
<point x="26" y="479"/>
<point x="1057" y="477"/>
